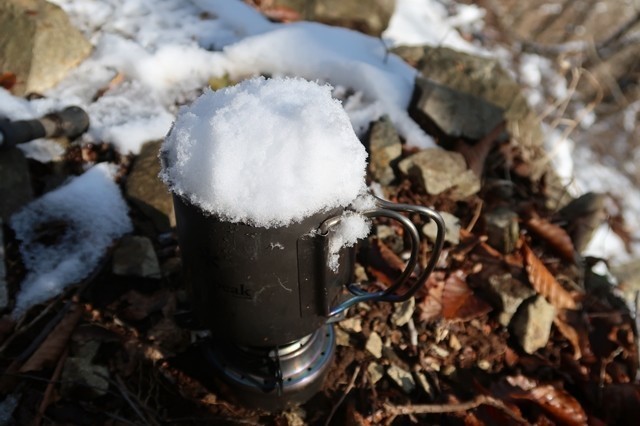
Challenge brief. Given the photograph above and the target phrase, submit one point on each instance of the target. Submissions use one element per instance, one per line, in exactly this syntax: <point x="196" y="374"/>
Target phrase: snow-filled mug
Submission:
<point x="265" y="287"/>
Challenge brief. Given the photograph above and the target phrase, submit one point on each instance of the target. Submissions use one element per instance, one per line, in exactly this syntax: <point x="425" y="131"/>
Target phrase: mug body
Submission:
<point x="258" y="286"/>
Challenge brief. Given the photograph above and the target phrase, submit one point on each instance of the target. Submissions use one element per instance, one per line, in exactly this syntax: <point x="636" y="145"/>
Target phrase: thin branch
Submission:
<point x="344" y="395"/>
<point x="46" y="398"/>
<point x="407" y="410"/>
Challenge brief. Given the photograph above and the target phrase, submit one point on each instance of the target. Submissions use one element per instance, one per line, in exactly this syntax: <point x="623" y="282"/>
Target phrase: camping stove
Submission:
<point x="273" y="378"/>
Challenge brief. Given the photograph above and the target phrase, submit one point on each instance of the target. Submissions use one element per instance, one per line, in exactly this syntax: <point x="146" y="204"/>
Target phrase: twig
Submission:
<point x="46" y="398"/>
<point x="407" y="410"/>
<point x="124" y="391"/>
<point x="476" y="217"/>
<point x="413" y="333"/>
<point x="344" y="395"/>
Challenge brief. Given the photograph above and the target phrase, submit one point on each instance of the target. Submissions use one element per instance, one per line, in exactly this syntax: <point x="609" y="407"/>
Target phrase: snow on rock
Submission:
<point x="64" y="233"/>
<point x="266" y="152"/>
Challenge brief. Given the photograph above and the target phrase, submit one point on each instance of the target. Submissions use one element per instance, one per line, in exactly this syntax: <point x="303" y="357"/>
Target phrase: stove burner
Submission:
<point x="273" y="378"/>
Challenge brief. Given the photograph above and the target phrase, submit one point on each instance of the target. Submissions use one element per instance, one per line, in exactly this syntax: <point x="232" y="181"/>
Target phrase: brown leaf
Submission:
<point x="390" y="257"/>
<point x="8" y="80"/>
<point x="544" y="283"/>
<point x="575" y="331"/>
<point x="554" y="235"/>
<point x="431" y="305"/>
<point x="459" y="301"/>
<point x="53" y="346"/>
<point x="554" y="401"/>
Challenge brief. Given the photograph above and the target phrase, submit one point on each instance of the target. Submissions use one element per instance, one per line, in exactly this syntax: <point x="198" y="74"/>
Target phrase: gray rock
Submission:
<point x="342" y="337"/>
<point x="4" y="296"/>
<point x="424" y="383"/>
<point x="136" y="256"/>
<point x="374" y="345"/>
<point x="483" y="78"/>
<point x="375" y="371"/>
<point x="370" y="19"/>
<point x="38" y="44"/>
<point x="509" y="294"/>
<point x="353" y="325"/>
<point x="456" y="113"/>
<point x="385" y="147"/>
<point x="452" y="228"/>
<point x="403" y="311"/>
<point x="503" y="230"/>
<point x="438" y="170"/>
<point x="583" y="216"/>
<point x="80" y="375"/>
<point x="403" y="378"/>
<point x="531" y="324"/>
<point x="15" y="182"/>
<point x="147" y="192"/>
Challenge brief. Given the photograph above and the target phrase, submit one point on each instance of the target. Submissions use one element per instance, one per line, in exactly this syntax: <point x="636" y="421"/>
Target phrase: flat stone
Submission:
<point x="353" y="325"/>
<point x="385" y="147"/>
<point x="503" y="230"/>
<point x="451" y="225"/>
<point x="15" y="182"/>
<point x="583" y="216"/>
<point x="342" y="337"/>
<point x="147" y="192"/>
<point x="531" y="324"/>
<point x="80" y="377"/>
<point x="375" y="371"/>
<point x="372" y="19"/>
<point x="509" y="294"/>
<point x="438" y="170"/>
<point x="403" y="378"/>
<point x="4" y="296"/>
<point x="403" y="311"/>
<point x="374" y="345"/>
<point x="482" y="78"/>
<point x="136" y="256"/>
<point x="456" y="113"/>
<point x="38" y="44"/>
<point x="424" y="383"/>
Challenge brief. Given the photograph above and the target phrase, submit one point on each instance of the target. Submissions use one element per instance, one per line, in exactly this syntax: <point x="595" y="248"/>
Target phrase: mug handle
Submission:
<point x="390" y="210"/>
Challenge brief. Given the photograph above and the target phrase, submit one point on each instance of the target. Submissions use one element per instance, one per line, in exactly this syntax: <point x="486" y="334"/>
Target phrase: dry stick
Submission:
<point x="124" y="391"/>
<point x="46" y="398"/>
<point x="476" y="217"/>
<point x="405" y="410"/>
<point x="344" y="395"/>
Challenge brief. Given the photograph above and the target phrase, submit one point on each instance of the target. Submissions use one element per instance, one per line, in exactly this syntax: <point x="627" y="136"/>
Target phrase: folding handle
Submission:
<point x="390" y="210"/>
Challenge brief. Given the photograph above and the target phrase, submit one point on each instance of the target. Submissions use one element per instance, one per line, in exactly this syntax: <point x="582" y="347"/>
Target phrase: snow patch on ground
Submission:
<point x="64" y="233"/>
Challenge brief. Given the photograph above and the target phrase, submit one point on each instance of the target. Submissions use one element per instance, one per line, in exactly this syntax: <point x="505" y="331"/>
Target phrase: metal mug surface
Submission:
<point x="271" y="286"/>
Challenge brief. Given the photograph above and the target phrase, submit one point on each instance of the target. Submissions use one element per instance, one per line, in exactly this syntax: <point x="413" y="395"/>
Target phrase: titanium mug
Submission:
<point x="266" y="287"/>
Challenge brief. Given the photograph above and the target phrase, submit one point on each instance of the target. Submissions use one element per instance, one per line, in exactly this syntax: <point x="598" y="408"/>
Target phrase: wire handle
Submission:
<point x="390" y="210"/>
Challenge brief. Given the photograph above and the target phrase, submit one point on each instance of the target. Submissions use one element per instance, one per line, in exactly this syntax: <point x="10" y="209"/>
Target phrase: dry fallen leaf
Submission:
<point x="554" y="401"/>
<point x="544" y="282"/>
<point x="554" y="235"/>
<point x="8" y="80"/>
<point x="459" y="302"/>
